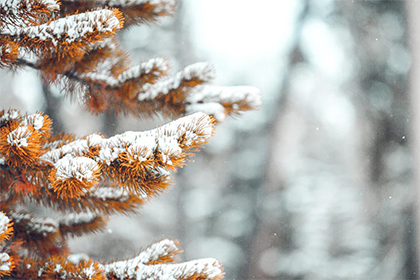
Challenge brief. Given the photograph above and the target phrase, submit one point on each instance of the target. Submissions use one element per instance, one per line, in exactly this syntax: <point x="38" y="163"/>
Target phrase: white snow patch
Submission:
<point x="5" y="264"/>
<point x="4" y="222"/>
<point x="36" y="120"/>
<point x="80" y="168"/>
<point x="220" y="94"/>
<point x="19" y="137"/>
<point x="215" y="109"/>
<point x="110" y="193"/>
<point x="76" y="258"/>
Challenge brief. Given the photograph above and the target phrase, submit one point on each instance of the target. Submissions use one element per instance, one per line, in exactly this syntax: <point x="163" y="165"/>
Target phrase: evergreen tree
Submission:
<point x="84" y="180"/>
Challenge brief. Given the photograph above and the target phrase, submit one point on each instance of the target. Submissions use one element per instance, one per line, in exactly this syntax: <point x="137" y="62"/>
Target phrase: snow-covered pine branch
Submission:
<point x="160" y="252"/>
<point x="209" y="269"/>
<point x="134" y="11"/>
<point x="66" y="36"/>
<point x="140" y="161"/>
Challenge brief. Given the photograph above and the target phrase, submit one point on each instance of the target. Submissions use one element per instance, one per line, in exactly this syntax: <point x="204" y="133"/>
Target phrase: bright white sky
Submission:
<point x="242" y="28"/>
<point x="245" y="35"/>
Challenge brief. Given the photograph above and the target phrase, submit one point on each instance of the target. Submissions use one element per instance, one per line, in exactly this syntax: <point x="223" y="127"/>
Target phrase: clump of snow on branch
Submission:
<point x="36" y="120"/>
<point x="74" y="148"/>
<point x="19" y="136"/>
<point x="80" y="168"/>
<point x="9" y="115"/>
<point x="5" y="263"/>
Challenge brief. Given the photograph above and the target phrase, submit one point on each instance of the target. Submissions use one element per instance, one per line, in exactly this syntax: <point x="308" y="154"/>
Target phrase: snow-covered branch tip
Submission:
<point x="149" y="265"/>
<point x="140" y="11"/>
<point x="155" y="67"/>
<point x="221" y="102"/>
<point x="189" y="77"/>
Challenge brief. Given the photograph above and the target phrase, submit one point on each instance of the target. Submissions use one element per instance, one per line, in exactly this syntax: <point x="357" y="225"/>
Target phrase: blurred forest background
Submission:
<point x="320" y="183"/>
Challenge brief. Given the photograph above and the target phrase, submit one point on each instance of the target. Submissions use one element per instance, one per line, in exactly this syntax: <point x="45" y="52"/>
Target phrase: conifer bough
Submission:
<point x="85" y="180"/>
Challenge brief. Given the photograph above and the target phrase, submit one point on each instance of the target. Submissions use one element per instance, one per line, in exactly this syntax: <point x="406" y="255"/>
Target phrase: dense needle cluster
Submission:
<point x="86" y="179"/>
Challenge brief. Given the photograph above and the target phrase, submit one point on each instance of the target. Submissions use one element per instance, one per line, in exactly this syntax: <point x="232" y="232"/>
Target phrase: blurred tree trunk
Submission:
<point x="380" y="37"/>
<point x="270" y="233"/>
<point x="52" y="108"/>
<point x="413" y="8"/>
